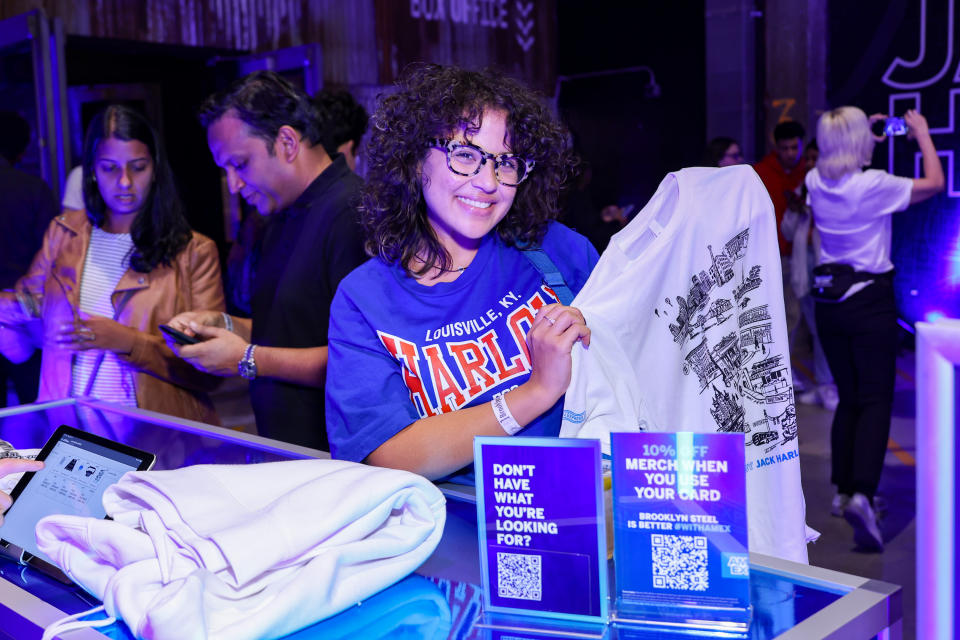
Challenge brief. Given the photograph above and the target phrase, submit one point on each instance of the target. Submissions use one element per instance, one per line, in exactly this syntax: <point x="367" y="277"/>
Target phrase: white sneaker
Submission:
<point x="839" y="504"/>
<point x="861" y="517"/>
<point x="828" y="396"/>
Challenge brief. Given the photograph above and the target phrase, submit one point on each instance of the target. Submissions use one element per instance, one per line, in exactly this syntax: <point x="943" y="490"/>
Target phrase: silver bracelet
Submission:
<point x="227" y="322"/>
<point x="503" y="415"/>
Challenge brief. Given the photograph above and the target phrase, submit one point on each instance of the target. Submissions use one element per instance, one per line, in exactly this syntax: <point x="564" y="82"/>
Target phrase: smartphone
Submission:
<point x="895" y="127"/>
<point x="179" y="336"/>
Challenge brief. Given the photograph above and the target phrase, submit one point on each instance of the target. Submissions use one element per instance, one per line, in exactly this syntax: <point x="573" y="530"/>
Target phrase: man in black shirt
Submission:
<point x="28" y="207"/>
<point x="266" y="135"/>
<point x="348" y="122"/>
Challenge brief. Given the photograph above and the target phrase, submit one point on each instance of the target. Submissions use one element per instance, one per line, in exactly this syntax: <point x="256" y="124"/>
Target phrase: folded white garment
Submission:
<point x="247" y="551"/>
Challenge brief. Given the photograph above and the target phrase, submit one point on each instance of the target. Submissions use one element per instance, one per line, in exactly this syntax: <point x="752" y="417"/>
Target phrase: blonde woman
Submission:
<point x="856" y="312"/>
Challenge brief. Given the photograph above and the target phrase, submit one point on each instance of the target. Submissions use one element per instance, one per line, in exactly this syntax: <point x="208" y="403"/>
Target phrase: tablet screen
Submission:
<point x="76" y="473"/>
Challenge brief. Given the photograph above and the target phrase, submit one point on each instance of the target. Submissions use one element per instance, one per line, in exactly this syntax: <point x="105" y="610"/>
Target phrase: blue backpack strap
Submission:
<point x="551" y="275"/>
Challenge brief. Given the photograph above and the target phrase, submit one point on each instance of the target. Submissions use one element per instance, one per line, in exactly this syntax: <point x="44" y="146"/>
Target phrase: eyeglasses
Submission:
<point x="466" y="159"/>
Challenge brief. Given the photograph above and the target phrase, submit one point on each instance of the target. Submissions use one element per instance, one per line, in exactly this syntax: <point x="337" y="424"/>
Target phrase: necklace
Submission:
<point x="441" y="270"/>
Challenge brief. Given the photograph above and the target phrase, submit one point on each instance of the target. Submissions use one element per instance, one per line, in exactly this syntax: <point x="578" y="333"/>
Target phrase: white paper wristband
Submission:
<point x="227" y="322"/>
<point x="503" y="415"/>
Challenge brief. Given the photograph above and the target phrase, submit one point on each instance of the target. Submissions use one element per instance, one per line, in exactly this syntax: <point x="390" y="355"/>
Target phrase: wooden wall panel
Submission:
<point x="346" y="32"/>
<point x="252" y="25"/>
<point x="365" y="42"/>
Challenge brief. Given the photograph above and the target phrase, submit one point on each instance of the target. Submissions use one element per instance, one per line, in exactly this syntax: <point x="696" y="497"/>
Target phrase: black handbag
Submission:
<point x="832" y="280"/>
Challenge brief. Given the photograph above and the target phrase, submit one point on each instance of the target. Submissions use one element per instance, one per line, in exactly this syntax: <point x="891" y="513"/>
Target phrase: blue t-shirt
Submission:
<point x="400" y="351"/>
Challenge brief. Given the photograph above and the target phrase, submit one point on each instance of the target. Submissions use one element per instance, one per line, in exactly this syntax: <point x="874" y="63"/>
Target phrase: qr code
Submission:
<point x="519" y="576"/>
<point x="680" y="562"/>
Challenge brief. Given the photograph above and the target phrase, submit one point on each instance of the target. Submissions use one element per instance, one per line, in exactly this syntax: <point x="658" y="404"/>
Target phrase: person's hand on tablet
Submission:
<point x="14" y="465"/>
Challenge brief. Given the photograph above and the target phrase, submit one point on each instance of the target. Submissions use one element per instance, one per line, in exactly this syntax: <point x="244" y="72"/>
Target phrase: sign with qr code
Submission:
<point x="542" y="529"/>
<point x="680" y="526"/>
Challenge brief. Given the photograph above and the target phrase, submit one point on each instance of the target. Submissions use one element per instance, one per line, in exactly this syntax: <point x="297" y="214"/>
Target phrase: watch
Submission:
<point x="247" y="367"/>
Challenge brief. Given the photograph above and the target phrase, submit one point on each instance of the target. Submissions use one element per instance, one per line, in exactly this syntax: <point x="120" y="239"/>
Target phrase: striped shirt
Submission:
<point x="108" y="258"/>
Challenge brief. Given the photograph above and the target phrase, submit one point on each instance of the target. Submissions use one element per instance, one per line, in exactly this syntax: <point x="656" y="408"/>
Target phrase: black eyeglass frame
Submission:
<point x="449" y="146"/>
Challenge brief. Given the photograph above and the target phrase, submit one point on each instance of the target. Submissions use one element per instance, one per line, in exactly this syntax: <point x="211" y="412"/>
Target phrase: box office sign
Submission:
<point x="519" y="37"/>
<point x="542" y="527"/>
<point x="680" y="527"/>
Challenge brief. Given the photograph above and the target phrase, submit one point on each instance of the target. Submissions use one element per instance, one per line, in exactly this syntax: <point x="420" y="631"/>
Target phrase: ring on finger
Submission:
<point x="551" y="320"/>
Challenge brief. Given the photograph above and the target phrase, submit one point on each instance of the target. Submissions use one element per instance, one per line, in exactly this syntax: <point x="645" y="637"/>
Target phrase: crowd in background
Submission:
<point x="834" y="220"/>
<point x="463" y="169"/>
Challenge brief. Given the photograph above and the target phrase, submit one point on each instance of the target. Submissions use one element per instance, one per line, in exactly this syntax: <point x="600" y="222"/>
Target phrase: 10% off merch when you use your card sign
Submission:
<point x="680" y="530"/>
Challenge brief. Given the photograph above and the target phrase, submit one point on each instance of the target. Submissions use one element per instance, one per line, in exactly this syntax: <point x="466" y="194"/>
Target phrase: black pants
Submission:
<point x="859" y="338"/>
<point x="25" y="378"/>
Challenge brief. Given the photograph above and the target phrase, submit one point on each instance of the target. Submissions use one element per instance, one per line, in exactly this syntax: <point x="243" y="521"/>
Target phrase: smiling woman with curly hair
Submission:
<point x="464" y="174"/>
<point x="438" y="101"/>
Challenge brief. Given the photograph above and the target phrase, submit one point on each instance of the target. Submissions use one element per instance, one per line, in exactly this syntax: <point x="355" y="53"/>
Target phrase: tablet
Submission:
<point x="79" y="467"/>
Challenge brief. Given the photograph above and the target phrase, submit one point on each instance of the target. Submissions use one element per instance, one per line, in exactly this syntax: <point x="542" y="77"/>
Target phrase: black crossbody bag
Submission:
<point x="832" y="280"/>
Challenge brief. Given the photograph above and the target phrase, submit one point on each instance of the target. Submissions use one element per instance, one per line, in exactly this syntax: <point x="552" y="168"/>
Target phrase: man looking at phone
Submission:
<point x="266" y="135"/>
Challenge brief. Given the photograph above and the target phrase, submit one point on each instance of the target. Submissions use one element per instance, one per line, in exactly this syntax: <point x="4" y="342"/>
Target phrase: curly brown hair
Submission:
<point x="434" y="101"/>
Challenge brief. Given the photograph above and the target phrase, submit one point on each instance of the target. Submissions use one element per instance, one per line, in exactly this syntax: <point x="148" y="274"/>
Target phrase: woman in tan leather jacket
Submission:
<point x="106" y="277"/>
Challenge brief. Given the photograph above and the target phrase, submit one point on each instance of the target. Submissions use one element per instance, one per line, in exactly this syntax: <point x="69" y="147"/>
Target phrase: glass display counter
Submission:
<point x="442" y="599"/>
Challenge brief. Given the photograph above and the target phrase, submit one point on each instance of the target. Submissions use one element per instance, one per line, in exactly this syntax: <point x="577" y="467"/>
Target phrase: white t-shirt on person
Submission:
<point x="853" y="216"/>
<point x="73" y="189"/>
